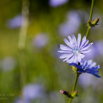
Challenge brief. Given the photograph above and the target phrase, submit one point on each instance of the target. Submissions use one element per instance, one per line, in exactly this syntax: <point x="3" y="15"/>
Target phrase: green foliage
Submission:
<point x="42" y="65"/>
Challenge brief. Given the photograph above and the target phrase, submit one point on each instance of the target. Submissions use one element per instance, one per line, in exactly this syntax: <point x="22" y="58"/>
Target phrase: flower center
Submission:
<point x="76" y="51"/>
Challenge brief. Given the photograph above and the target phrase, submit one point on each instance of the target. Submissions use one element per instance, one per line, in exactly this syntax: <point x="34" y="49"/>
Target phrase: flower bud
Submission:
<point x="93" y="24"/>
<point x="65" y="93"/>
<point x="74" y="94"/>
<point x="95" y="21"/>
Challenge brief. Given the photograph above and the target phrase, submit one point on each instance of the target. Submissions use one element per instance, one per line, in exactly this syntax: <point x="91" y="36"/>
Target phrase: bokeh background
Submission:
<point x="31" y="32"/>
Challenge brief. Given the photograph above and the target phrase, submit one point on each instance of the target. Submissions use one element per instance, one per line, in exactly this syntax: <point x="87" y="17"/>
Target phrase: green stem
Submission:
<point x="88" y="29"/>
<point x="22" y="41"/>
<point x="75" y="83"/>
<point x="90" y="18"/>
<point x="24" y="25"/>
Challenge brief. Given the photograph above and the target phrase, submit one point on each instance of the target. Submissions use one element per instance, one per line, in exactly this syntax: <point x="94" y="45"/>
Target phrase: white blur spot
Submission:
<point x="8" y="63"/>
<point x="71" y="25"/>
<point x="14" y="22"/>
<point x="40" y="40"/>
<point x="99" y="47"/>
<point x="85" y="80"/>
<point x="96" y="50"/>
<point x="33" y="91"/>
<point x="56" y="3"/>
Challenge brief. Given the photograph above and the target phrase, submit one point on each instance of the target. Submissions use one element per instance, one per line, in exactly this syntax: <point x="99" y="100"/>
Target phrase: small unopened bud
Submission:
<point x="92" y="24"/>
<point x="95" y="21"/>
<point x="65" y="93"/>
<point x="74" y="94"/>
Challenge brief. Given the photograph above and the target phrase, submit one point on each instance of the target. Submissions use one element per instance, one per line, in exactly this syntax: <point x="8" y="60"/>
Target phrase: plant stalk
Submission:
<point x="90" y="18"/>
<point x="75" y="83"/>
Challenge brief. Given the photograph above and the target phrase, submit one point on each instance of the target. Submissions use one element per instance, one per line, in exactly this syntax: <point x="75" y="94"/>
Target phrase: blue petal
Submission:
<point x="96" y="67"/>
<point x="79" y="40"/>
<point x="63" y="47"/>
<point x="64" y="51"/>
<point x="92" y="72"/>
<point x="86" y="42"/>
<point x="73" y="38"/>
<point x="70" y="39"/>
<point x="97" y="75"/>
<point x="93" y="64"/>
<point x="65" y="56"/>
<point x="76" y="65"/>
<point x="80" y="71"/>
<point x="87" y="46"/>
<point x="68" y="43"/>
<point x="85" y="51"/>
<point x="80" y="56"/>
<point x="83" y="40"/>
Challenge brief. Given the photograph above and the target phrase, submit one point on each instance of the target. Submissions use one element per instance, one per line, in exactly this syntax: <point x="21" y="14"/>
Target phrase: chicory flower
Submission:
<point x="87" y="67"/>
<point x="75" y="49"/>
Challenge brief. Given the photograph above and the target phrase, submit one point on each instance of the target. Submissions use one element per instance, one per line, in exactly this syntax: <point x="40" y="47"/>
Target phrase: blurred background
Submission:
<point x="31" y="32"/>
